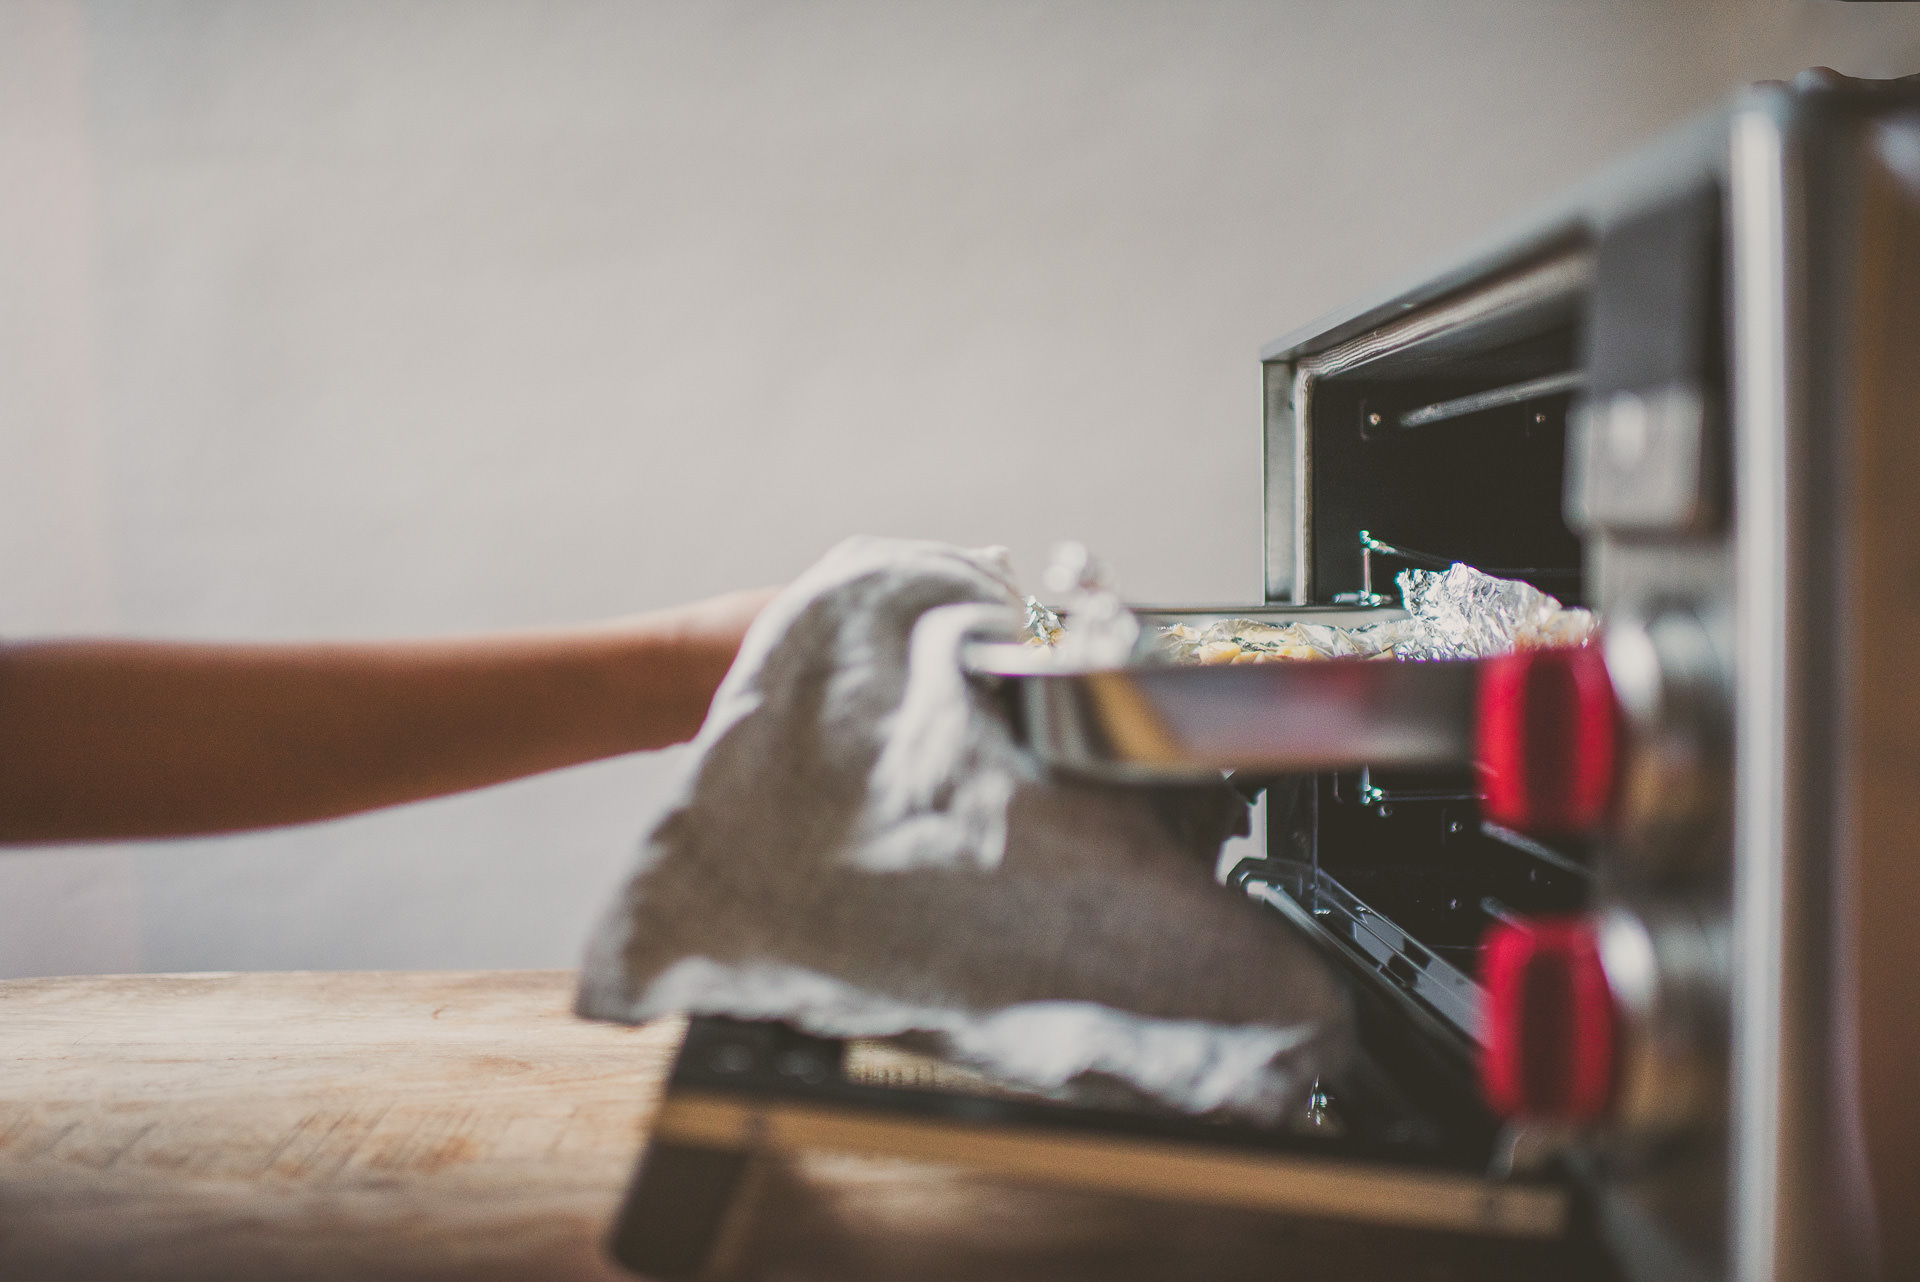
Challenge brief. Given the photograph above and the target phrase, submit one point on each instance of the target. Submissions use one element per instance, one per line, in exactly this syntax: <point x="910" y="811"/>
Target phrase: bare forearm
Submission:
<point x="125" y="738"/>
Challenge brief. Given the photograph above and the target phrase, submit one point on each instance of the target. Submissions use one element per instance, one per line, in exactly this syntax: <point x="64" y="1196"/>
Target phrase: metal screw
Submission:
<point x="1373" y="419"/>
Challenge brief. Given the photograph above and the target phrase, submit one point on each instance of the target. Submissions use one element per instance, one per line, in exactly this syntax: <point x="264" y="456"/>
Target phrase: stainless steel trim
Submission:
<point x="1765" y="388"/>
<point x="1279" y="567"/>
<point x="1302" y="486"/>
<point x="1558" y="279"/>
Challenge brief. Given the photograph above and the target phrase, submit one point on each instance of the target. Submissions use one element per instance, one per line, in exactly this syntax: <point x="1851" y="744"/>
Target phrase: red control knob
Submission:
<point x="1549" y="1024"/>
<point x="1549" y="727"/>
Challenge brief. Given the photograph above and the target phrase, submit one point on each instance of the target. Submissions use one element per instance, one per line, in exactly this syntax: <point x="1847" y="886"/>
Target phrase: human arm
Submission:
<point x="117" y="739"/>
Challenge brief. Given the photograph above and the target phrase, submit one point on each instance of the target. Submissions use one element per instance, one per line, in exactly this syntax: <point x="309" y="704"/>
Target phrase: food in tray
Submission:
<point x="1459" y="613"/>
<point x="1251" y="641"/>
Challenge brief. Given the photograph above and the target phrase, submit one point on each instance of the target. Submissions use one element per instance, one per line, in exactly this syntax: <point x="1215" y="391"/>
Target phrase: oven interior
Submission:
<point x="1433" y="439"/>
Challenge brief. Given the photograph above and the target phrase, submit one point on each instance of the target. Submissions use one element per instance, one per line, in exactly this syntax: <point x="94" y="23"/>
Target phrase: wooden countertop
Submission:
<point x="439" y="1125"/>
<point x="362" y="1125"/>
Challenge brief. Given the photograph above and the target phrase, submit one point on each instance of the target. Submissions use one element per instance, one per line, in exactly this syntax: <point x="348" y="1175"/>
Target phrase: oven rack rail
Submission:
<point x="1314" y="899"/>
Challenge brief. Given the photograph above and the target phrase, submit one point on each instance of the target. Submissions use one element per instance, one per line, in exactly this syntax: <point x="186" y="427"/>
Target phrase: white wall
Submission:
<point x="351" y="318"/>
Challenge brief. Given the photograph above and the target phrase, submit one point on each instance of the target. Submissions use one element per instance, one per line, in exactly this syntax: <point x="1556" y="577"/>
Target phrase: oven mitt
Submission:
<point x="865" y="851"/>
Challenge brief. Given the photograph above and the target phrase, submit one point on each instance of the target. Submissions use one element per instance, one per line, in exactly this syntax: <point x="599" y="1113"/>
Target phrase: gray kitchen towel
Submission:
<point x="864" y="850"/>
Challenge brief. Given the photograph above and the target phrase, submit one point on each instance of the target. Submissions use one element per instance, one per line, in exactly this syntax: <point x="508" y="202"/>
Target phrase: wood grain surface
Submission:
<point x="314" y="1125"/>
<point x="376" y="1126"/>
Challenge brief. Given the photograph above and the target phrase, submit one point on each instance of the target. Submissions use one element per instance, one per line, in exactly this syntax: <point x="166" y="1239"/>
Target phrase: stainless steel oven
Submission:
<point x="1647" y="1011"/>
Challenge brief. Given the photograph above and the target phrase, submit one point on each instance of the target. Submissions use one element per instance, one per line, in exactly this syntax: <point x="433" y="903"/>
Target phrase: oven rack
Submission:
<point x="1312" y="898"/>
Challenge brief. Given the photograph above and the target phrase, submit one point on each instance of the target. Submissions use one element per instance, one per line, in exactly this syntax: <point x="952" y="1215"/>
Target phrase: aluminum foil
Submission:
<point x="1464" y="614"/>
<point x="1105" y="633"/>
<point x="1043" y="625"/>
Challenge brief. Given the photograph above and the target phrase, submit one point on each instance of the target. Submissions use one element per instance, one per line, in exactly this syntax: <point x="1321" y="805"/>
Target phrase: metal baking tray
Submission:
<point x="1151" y="722"/>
